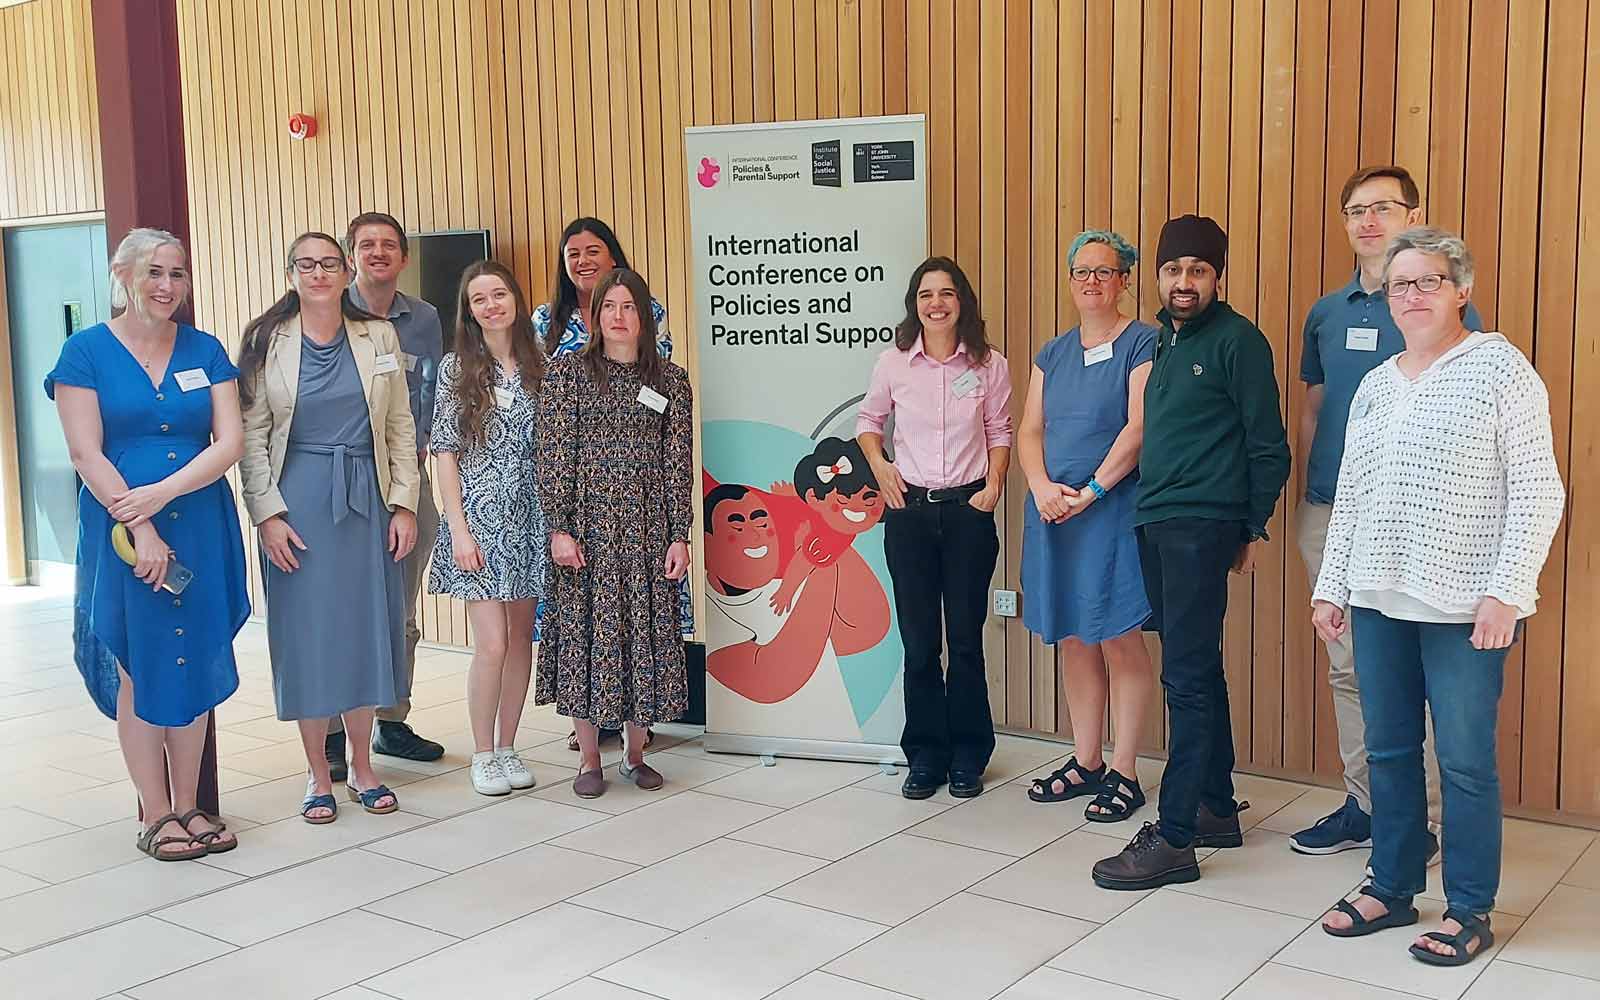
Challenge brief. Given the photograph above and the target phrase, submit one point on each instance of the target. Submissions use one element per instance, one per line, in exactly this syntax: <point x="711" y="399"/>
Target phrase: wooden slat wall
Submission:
<point x="1043" y="118"/>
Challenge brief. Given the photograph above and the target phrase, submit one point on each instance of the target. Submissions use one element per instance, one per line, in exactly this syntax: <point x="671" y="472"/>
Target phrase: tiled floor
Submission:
<point x="802" y="881"/>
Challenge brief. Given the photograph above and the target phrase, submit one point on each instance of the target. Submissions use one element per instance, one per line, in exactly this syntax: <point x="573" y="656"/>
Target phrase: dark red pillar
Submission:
<point x="140" y="92"/>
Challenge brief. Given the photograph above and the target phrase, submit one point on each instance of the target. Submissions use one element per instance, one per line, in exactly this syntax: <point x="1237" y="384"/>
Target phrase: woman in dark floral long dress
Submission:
<point x="616" y="437"/>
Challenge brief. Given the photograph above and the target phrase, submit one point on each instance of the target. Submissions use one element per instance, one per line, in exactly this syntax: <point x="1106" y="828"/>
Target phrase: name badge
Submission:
<point x="409" y="361"/>
<point x="503" y="397"/>
<point x="1361" y="338"/>
<point x="1095" y="355"/>
<point x="652" y="399"/>
<point x="194" y="378"/>
<point x="965" y="384"/>
<point x="384" y="364"/>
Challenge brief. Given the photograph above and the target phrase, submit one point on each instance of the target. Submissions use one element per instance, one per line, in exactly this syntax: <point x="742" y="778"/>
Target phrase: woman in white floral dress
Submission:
<point x="491" y="546"/>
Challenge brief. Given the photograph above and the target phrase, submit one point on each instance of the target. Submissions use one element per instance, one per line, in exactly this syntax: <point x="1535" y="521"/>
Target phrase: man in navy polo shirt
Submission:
<point x="1348" y="333"/>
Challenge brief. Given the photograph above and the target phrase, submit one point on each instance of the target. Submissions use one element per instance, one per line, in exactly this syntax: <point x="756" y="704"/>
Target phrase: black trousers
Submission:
<point x="941" y="557"/>
<point x="1186" y="562"/>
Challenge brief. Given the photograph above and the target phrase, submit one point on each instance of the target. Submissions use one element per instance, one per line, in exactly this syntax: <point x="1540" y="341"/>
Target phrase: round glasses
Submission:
<point x="1100" y="274"/>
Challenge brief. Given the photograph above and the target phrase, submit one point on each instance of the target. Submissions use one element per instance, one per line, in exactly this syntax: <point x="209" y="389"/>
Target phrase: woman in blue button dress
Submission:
<point x="150" y="409"/>
<point x="330" y="478"/>
<point x="491" y="546"/>
<point x="588" y="250"/>
<point x="1079" y="445"/>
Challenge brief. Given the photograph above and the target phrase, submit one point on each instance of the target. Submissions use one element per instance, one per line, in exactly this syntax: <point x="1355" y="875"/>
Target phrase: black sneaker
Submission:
<point x="1346" y="828"/>
<point x="1211" y="830"/>
<point x="333" y="748"/>
<point x="1148" y="862"/>
<point x="396" y="739"/>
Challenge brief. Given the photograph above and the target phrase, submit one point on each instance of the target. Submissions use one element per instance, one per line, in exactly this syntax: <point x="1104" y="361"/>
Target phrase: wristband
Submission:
<point x="1095" y="488"/>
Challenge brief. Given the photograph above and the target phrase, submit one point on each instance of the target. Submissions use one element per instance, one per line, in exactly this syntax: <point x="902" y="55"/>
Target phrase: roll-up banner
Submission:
<point x="804" y="235"/>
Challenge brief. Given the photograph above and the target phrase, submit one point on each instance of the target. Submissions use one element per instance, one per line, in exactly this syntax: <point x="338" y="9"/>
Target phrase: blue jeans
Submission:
<point x="1398" y="665"/>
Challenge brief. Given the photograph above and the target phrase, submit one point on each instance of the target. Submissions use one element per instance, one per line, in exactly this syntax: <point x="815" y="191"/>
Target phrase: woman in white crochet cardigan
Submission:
<point x="1448" y="499"/>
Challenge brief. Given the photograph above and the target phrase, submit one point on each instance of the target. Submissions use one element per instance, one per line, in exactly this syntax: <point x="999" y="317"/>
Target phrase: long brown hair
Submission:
<point x="258" y="332"/>
<point x="652" y="370"/>
<point x="474" y="363"/>
<point x="563" y="293"/>
<point x="970" y="328"/>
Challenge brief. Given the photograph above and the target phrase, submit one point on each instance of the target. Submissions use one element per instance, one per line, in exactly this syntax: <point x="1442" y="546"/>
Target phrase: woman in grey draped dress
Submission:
<point x="330" y="478"/>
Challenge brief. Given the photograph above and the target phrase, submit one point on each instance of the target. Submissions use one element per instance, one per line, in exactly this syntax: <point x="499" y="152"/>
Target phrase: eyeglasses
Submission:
<point x="1100" y="274"/>
<point x="305" y="265"/>
<point x="1385" y="209"/>
<point x="1427" y="284"/>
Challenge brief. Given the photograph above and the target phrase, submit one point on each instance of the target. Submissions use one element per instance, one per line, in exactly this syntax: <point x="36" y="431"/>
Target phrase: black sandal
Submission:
<point x="1112" y="804"/>
<point x="1473" y="928"/>
<point x="1360" y="926"/>
<point x="1088" y="784"/>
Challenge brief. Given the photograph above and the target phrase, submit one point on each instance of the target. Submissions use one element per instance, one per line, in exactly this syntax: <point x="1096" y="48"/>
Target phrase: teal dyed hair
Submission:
<point x="1127" y="256"/>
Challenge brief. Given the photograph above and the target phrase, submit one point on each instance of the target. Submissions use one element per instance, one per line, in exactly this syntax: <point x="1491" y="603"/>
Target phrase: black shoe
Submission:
<point x="966" y="784"/>
<point x="396" y="739"/>
<point x="921" y="784"/>
<point x="333" y="748"/>
<point x="1211" y="830"/>
<point x="1148" y="862"/>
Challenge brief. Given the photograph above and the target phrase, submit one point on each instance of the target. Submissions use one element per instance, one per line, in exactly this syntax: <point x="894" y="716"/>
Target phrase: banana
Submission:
<point x="122" y="542"/>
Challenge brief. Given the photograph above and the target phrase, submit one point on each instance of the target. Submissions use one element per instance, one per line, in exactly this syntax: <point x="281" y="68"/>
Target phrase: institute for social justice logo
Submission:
<point x="710" y="170"/>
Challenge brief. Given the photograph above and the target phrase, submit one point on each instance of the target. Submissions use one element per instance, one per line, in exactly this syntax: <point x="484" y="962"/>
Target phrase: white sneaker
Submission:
<point x="488" y="777"/>
<point x="514" y="769"/>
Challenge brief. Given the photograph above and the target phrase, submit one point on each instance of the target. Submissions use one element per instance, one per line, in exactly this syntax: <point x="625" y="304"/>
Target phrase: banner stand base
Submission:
<point x="775" y="746"/>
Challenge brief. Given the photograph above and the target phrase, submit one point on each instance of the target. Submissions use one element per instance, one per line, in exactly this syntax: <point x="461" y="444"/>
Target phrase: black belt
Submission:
<point x="921" y="494"/>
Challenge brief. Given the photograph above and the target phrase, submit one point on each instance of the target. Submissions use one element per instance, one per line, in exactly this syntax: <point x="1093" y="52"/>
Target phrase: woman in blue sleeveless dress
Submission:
<point x="588" y="250"/>
<point x="150" y="409"/>
<point x="1079" y="448"/>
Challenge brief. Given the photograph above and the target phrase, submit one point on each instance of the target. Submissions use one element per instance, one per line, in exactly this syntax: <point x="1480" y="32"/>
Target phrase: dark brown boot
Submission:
<point x="1211" y="830"/>
<point x="1148" y="862"/>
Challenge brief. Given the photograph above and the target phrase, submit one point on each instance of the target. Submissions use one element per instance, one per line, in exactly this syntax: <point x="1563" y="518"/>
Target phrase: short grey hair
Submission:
<point x="1438" y="243"/>
<point x="133" y="256"/>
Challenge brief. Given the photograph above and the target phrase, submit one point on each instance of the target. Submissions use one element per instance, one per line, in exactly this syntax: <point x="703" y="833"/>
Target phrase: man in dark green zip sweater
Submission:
<point x="1215" y="458"/>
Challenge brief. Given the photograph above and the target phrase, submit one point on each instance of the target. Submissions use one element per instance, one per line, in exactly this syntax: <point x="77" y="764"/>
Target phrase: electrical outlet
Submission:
<point x="1005" y="603"/>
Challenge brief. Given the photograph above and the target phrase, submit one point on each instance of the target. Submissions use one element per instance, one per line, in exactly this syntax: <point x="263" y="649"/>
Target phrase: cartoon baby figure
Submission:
<point x="835" y="497"/>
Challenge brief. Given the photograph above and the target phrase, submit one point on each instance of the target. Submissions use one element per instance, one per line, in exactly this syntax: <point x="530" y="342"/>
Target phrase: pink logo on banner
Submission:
<point x="710" y="170"/>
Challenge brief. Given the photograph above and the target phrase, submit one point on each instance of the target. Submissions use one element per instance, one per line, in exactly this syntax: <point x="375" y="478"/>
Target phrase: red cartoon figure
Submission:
<point x="836" y="496"/>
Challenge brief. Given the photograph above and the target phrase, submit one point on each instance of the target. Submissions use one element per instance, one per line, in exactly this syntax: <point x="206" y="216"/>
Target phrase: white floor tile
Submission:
<point x="1052" y="984"/>
<point x="76" y="854"/>
<point x="294" y="841"/>
<point x="1560" y="936"/>
<point x="1057" y="878"/>
<point x="15" y="883"/>
<point x="827" y="986"/>
<point x="95" y="806"/>
<point x="1267" y="797"/>
<point x="1237" y="941"/>
<point x="1503" y="980"/>
<point x="1586" y="872"/>
<point x="1264" y="873"/>
<point x="699" y="883"/>
<point x="460" y="842"/>
<point x="553" y="947"/>
<point x="19" y="826"/>
<point x="1274" y="982"/>
<point x="1384" y="960"/>
<point x="662" y="829"/>
<point x="473" y="901"/>
<point x="1003" y="820"/>
<point x="59" y="911"/>
<point x="122" y="955"/>
<point x="998" y="943"/>
<point x="35" y="787"/>
<point x="452" y="793"/>
<point x="596" y="989"/>
<point x="894" y="879"/>
<point x="840" y="823"/>
<point x="265" y="907"/>
<point x="744" y="954"/>
<point x="275" y="760"/>
<point x="680" y="775"/>
<point x="310" y="962"/>
<point x="789" y="782"/>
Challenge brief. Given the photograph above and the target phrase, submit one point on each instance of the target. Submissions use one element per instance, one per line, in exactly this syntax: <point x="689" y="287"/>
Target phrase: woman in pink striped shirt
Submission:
<point x="949" y="393"/>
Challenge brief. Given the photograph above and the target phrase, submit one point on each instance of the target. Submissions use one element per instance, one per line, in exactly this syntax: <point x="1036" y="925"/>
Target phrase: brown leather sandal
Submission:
<point x="212" y="839"/>
<point x="150" y="844"/>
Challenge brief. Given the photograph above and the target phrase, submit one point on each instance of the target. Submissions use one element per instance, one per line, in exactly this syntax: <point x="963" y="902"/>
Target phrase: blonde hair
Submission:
<point x="132" y="257"/>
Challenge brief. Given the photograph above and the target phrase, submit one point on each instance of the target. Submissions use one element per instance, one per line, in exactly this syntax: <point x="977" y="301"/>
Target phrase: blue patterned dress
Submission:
<point x="573" y="338"/>
<point x="499" y="494"/>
